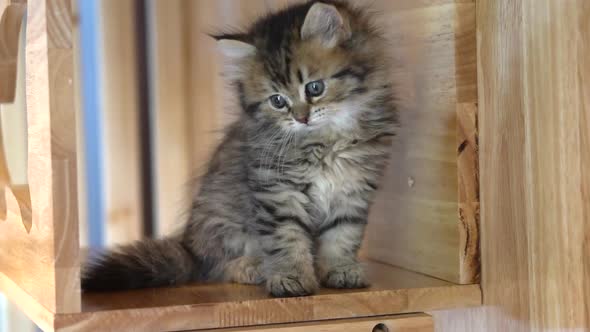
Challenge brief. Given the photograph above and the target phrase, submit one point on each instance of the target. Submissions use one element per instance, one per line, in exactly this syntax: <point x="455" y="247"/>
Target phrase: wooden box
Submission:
<point x="422" y="245"/>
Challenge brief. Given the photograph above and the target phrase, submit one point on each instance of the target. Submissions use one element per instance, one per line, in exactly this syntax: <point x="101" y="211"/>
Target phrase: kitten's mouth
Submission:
<point x="311" y="121"/>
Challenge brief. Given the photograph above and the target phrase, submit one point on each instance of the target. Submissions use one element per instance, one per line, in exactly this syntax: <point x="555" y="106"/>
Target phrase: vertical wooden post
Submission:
<point x="120" y="112"/>
<point x="171" y="112"/>
<point x="534" y="121"/>
<point x="44" y="261"/>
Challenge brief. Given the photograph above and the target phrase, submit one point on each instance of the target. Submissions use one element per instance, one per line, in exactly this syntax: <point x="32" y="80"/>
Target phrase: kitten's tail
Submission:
<point x="143" y="264"/>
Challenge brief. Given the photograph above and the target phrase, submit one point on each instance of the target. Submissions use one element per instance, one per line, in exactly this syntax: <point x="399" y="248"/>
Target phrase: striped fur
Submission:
<point x="283" y="202"/>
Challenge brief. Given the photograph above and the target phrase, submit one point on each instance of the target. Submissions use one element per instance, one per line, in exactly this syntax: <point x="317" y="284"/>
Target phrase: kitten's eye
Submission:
<point x="315" y="88"/>
<point x="278" y="101"/>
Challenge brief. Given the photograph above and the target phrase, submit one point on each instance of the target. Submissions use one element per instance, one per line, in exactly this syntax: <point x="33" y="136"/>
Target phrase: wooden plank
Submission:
<point x="230" y="305"/>
<point x="398" y="323"/>
<point x="467" y="144"/>
<point x="120" y="108"/>
<point x="468" y="175"/>
<point x="416" y="221"/>
<point x="44" y="261"/>
<point x="534" y="106"/>
<point x="80" y="137"/>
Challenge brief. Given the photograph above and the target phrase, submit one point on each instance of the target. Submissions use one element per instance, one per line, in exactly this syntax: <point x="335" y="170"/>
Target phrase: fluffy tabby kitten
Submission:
<point x="286" y="195"/>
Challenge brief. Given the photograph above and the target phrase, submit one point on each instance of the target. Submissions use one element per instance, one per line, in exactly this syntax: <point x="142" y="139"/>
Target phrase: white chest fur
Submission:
<point x="336" y="184"/>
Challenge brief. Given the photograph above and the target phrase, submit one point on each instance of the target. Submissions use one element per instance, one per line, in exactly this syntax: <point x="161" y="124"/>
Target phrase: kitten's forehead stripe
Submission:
<point x="359" y="72"/>
<point x="359" y="90"/>
<point x="343" y="73"/>
<point x="287" y="69"/>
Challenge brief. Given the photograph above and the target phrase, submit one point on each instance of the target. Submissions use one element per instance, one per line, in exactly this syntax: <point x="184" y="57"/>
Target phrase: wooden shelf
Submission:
<point x="209" y="306"/>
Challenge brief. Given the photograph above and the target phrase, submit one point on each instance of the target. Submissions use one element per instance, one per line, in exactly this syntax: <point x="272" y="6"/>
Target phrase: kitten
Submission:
<point x="286" y="195"/>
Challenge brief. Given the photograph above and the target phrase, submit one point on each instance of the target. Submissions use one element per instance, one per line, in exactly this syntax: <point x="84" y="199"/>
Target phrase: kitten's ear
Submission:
<point x="325" y="22"/>
<point x="234" y="49"/>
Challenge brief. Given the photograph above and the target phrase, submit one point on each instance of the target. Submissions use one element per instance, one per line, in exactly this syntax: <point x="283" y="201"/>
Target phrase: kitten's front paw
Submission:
<point x="286" y="285"/>
<point x="347" y="276"/>
<point x="245" y="270"/>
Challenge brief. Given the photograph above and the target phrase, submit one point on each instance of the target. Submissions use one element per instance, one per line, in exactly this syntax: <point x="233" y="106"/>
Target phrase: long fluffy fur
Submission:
<point x="282" y="202"/>
<point x="149" y="263"/>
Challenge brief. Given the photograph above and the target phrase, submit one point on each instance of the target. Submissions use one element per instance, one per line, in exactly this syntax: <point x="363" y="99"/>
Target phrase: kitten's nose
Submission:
<point x="301" y="113"/>
<point x="302" y="119"/>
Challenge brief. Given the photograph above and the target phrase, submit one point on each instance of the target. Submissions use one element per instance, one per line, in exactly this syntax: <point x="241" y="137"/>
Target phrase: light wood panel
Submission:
<point x="398" y="323"/>
<point x="534" y="105"/>
<point x="44" y="260"/>
<point x="230" y="305"/>
<point x="468" y="198"/>
<point x="120" y="109"/>
<point x="417" y="222"/>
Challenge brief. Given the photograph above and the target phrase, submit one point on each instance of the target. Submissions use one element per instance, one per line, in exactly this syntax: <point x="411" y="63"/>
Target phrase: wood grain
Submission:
<point x="468" y="175"/>
<point x="534" y="106"/>
<point x="398" y="323"/>
<point x="120" y="109"/>
<point x="44" y="263"/>
<point x="229" y="305"/>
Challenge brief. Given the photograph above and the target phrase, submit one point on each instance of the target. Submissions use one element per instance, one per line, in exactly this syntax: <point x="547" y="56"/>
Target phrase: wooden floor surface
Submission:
<point x="228" y="305"/>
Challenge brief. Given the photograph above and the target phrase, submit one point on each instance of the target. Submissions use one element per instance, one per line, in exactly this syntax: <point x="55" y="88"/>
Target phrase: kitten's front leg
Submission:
<point x="288" y="265"/>
<point x="339" y="243"/>
<point x="287" y="243"/>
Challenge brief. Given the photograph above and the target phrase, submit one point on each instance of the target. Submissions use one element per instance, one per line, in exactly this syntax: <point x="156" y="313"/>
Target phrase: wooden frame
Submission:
<point x="533" y="83"/>
<point x="398" y="323"/>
